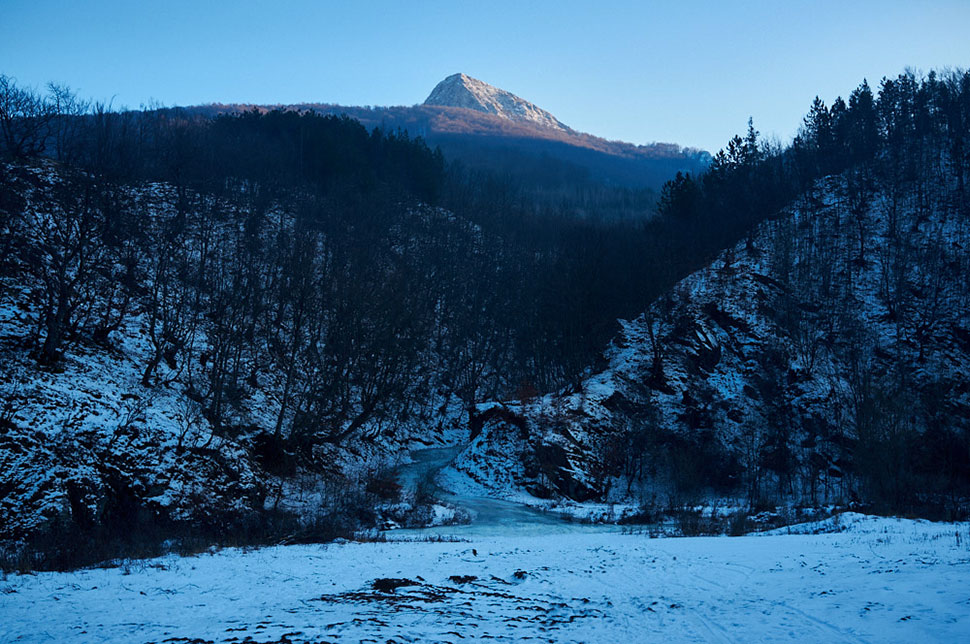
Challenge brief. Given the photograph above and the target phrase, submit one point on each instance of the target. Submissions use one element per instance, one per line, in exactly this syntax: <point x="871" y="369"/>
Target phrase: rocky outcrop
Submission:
<point x="459" y="90"/>
<point x="825" y="355"/>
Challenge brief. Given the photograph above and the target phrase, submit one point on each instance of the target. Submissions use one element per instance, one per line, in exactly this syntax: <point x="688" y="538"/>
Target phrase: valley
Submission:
<point x="457" y="372"/>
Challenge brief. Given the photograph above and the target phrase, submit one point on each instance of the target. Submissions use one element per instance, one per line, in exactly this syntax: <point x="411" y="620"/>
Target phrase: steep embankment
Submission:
<point x="825" y="356"/>
<point x="117" y="436"/>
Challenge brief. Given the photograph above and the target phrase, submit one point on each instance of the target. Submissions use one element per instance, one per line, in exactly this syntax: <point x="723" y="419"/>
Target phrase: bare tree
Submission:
<point x="28" y="119"/>
<point x="65" y="259"/>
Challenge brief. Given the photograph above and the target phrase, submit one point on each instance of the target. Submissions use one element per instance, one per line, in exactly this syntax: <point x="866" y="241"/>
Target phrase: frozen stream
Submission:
<point x="489" y="516"/>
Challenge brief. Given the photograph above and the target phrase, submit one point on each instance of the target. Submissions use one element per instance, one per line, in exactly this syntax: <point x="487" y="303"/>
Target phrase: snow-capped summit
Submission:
<point x="460" y="90"/>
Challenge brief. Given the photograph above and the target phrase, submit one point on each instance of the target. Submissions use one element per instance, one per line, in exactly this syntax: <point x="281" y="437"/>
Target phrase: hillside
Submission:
<point x="820" y="359"/>
<point x="145" y="421"/>
<point x="770" y="372"/>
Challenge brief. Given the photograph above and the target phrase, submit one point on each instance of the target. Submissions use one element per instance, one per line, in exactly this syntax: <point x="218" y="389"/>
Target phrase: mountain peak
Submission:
<point x="461" y="90"/>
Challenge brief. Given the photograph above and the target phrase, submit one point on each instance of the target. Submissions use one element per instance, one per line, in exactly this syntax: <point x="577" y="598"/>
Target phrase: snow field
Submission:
<point x="865" y="579"/>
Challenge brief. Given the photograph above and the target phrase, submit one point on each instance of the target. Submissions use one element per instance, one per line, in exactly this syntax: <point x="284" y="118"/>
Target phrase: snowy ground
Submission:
<point x="869" y="579"/>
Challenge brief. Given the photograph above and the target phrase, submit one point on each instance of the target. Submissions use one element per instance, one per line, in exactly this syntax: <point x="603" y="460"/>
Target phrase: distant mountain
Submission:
<point x="459" y="90"/>
<point x="487" y="127"/>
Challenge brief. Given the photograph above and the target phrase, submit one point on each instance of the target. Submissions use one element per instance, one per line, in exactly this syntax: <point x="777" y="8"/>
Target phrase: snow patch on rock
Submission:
<point x="459" y="90"/>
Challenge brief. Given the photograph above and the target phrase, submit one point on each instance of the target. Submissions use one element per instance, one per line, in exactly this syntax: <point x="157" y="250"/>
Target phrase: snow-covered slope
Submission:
<point x="819" y="350"/>
<point x="459" y="90"/>
<point x="87" y="444"/>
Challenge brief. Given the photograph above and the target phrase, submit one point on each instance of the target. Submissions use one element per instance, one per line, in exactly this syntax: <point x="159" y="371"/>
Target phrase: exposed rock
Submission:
<point x="761" y="373"/>
<point x="459" y="90"/>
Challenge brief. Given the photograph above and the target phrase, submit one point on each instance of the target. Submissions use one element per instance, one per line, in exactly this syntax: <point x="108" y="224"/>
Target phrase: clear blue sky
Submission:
<point x="689" y="72"/>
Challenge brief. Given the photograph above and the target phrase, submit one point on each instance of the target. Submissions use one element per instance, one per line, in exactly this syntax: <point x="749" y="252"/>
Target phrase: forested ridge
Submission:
<point x="820" y="357"/>
<point x="558" y="268"/>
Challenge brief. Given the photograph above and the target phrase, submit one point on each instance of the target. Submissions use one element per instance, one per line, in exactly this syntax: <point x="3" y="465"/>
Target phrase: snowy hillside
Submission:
<point x="767" y="374"/>
<point x="117" y="434"/>
<point x="459" y="90"/>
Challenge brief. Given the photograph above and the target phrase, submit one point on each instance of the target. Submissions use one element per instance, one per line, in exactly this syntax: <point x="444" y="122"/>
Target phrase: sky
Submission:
<point x="687" y="72"/>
